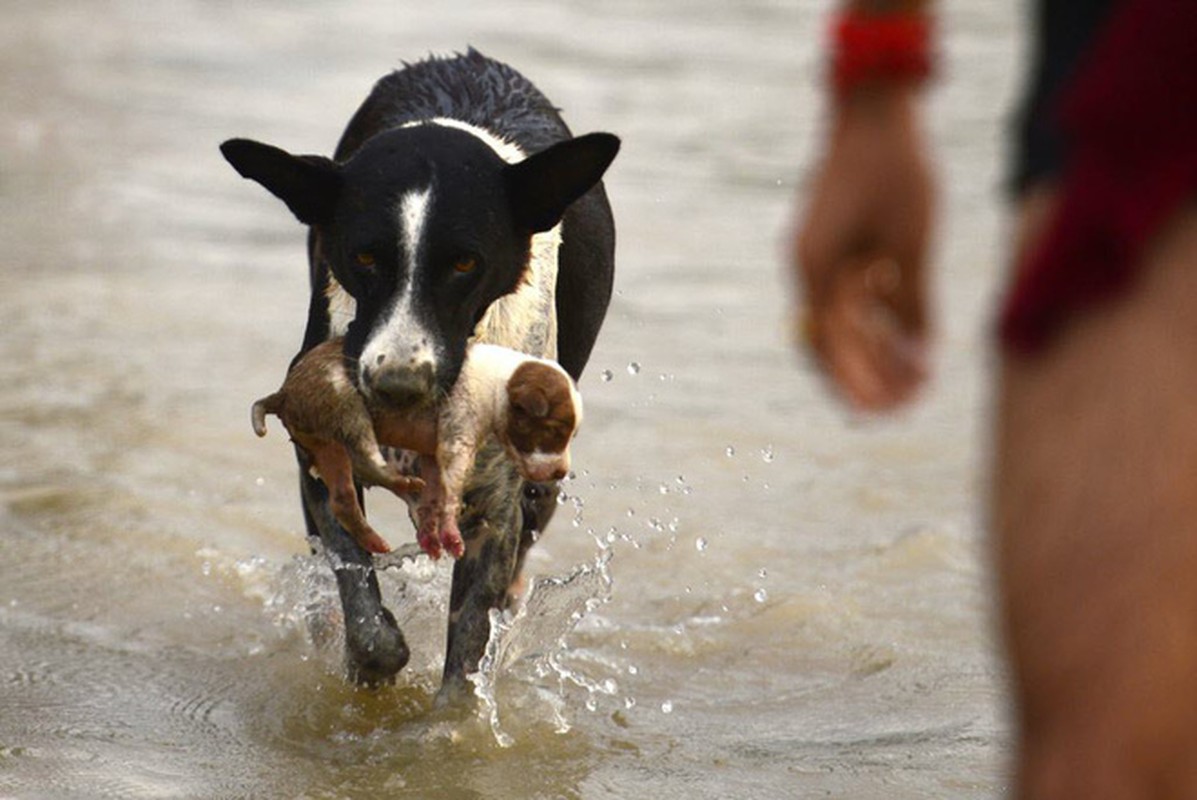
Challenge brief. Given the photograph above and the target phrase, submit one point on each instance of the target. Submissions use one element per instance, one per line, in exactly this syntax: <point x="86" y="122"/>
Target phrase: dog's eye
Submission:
<point x="463" y="266"/>
<point x="364" y="259"/>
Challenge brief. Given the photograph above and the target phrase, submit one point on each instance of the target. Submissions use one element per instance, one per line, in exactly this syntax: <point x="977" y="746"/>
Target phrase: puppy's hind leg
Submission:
<point x="336" y="470"/>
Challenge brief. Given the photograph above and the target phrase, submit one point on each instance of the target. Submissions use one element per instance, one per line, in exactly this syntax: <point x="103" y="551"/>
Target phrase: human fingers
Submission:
<point x="872" y="359"/>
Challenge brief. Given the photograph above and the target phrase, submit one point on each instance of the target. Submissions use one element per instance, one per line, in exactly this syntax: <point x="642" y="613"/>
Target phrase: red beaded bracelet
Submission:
<point x="873" y="48"/>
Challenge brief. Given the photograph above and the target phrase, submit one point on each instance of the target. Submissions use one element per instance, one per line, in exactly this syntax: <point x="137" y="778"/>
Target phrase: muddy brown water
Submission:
<point x="747" y="592"/>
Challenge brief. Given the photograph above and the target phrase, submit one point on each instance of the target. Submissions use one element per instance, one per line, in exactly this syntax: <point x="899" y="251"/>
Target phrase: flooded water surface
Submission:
<point x="746" y="592"/>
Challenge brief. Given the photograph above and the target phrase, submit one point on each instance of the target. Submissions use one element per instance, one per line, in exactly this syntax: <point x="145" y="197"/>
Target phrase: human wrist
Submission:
<point x="880" y="106"/>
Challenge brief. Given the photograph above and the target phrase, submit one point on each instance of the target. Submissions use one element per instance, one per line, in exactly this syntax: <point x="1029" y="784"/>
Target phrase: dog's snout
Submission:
<point x="405" y="386"/>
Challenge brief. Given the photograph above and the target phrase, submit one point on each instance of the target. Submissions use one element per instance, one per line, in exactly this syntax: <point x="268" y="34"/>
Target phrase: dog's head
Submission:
<point x="544" y="412"/>
<point x="424" y="226"/>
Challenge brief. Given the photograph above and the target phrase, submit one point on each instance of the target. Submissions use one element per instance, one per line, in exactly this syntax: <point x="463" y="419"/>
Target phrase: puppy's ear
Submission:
<point x="309" y="185"/>
<point x="528" y="398"/>
<point x="542" y="186"/>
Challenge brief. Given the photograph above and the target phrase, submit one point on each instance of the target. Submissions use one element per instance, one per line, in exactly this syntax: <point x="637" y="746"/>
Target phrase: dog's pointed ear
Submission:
<point x="309" y="185"/>
<point x="543" y="185"/>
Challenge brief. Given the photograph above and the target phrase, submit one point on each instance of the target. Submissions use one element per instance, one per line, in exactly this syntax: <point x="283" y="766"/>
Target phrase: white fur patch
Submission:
<point x="402" y="340"/>
<point x="507" y="150"/>
<point x="342" y="308"/>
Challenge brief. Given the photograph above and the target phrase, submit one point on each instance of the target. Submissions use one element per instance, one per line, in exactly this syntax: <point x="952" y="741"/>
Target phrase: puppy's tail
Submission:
<point x="271" y="404"/>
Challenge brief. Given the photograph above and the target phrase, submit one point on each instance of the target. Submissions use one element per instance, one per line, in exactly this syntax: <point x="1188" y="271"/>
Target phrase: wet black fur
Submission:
<point x="489" y="212"/>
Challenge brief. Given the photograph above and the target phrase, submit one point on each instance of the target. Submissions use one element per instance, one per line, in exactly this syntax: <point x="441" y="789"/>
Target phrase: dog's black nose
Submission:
<point x="404" y="387"/>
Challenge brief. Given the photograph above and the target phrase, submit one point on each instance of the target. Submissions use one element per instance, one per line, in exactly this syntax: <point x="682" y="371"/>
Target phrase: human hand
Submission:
<point x="860" y="252"/>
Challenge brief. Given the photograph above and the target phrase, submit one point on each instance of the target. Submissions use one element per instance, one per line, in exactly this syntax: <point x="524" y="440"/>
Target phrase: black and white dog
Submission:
<point x="456" y="207"/>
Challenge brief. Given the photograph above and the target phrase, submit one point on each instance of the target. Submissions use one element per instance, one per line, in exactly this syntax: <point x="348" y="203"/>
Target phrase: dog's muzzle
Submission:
<point x="402" y="386"/>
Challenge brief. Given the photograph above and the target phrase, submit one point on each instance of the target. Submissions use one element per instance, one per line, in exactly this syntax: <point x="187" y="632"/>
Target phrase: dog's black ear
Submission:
<point x="309" y="185"/>
<point x="542" y="186"/>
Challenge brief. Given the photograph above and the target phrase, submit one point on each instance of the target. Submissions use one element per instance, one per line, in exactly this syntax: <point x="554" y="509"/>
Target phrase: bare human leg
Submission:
<point x="1094" y="516"/>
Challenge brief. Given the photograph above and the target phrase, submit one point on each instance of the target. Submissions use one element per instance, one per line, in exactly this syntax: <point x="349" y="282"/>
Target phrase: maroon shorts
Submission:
<point x="1128" y="121"/>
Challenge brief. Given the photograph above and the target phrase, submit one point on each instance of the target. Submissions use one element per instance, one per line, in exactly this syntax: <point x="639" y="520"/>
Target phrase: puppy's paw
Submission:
<point x="427" y="537"/>
<point x="373" y="542"/>
<point x="451" y="539"/>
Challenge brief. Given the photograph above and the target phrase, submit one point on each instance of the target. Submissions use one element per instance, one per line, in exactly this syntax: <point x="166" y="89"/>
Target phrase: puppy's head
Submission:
<point x="424" y="226"/>
<point x="544" y="412"/>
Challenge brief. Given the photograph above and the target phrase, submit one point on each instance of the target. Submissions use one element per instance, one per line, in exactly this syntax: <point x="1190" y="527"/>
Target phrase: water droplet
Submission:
<point x="730" y="451"/>
<point x="761" y="595"/>
<point x="591" y="704"/>
<point x="634" y="368"/>
<point x="767" y="454"/>
<point x="206" y="568"/>
<point x="607" y="375"/>
<point x="633" y="669"/>
<point x="764" y="573"/>
<point x="663" y="489"/>
<point x="700" y="544"/>
<point x="631" y="512"/>
<point x="260" y="482"/>
<point x="629" y="703"/>
<point x="667" y="707"/>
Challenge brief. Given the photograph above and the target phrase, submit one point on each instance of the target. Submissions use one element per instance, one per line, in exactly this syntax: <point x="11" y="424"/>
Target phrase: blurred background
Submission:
<point x="747" y="591"/>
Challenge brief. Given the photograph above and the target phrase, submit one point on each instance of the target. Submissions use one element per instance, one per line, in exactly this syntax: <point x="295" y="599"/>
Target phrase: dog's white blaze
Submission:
<point x="403" y="340"/>
<point x="413" y="210"/>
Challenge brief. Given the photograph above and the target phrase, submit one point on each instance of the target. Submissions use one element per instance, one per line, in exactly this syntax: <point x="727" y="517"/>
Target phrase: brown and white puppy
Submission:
<point x="530" y="404"/>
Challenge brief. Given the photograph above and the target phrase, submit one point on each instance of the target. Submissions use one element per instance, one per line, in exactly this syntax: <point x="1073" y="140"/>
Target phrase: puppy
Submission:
<point x="331" y="421"/>
<point x="530" y="404"/>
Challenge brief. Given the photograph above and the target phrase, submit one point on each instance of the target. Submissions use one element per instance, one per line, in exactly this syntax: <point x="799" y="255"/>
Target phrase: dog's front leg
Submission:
<point x="374" y="646"/>
<point x="491" y="521"/>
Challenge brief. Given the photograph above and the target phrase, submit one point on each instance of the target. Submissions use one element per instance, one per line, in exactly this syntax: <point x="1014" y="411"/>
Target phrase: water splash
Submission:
<point x="529" y="646"/>
<point x="303" y="599"/>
